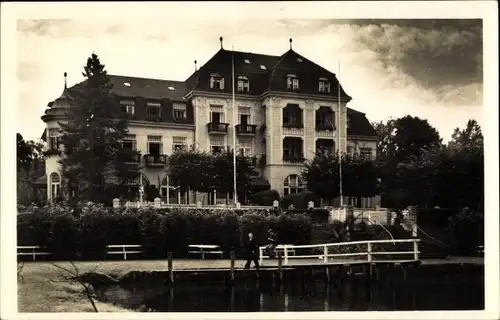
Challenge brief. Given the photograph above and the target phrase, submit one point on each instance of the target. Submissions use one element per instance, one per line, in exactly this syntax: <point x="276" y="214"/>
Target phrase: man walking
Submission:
<point x="252" y="249"/>
<point x="271" y="238"/>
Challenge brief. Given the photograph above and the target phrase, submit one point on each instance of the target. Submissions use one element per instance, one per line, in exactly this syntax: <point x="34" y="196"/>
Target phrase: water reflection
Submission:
<point x="314" y="296"/>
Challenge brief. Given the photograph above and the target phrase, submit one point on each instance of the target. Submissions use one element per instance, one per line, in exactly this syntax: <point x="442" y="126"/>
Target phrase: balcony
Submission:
<point x="325" y="131"/>
<point x="217" y="127"/>
<point x="155" y="160"/>
<point x="130" y="156"/>
<point x="293" y="159"/>
<point x="246" y="129"/>
<point x="293" y="129"/>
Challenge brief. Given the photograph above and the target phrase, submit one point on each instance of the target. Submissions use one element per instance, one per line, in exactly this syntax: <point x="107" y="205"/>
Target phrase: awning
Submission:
<point x="41" y="181"/>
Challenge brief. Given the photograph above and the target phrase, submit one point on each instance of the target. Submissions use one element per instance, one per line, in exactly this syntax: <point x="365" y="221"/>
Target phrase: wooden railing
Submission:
<point x="323" y="251"/>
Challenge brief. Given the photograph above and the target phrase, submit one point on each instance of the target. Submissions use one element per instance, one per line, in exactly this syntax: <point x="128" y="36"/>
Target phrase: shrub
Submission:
<point x="85" y="235"/>
<point x="264" y="198"/>
<point x="300" y="200"/>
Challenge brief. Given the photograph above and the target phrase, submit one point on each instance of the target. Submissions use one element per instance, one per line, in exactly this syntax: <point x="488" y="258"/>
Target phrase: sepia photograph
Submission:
<point x="238" y="164"/>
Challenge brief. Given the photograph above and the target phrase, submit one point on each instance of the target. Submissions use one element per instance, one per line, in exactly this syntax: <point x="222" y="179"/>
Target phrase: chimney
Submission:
<point x="291" y="43"/>
<point x="221" y="42"/>
<point x="195" y="67"/>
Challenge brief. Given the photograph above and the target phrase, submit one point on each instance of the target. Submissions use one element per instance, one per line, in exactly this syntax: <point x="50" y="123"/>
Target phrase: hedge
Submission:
<point x="84" y="234"/>
<point x="264" y="198"/>
<point x="300" y="200"/>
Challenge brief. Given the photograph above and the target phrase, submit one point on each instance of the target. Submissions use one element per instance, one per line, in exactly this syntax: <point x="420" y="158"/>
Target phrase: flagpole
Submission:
<point x="340" y="152"/>
<point x="235" y="196"/>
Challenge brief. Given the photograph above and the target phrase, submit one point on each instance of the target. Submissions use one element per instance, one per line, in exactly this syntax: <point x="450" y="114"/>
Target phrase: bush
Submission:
<point x="84" y="233"/>
<point x="300" y="200"/>
<point x="264" y="198"/>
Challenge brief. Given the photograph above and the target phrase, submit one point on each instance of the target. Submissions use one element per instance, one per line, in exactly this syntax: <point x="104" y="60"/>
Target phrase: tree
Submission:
<point x="470" y="138"/>
<point x="30" y="166"/>
<point x="402" y="141"/>
<point x="191" y="169"/>
<point x="224" y="173"/>
<point x="94" y="164"/>
<point x="359" y="175"/>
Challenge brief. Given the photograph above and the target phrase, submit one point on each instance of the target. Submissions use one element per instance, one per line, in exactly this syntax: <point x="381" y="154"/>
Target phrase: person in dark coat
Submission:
<point x="272" y="243"/>
<point x="252" y="252"/>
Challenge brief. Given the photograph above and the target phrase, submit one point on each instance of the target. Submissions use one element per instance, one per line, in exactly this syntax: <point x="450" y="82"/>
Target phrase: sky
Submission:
<point x="426" y="68"/>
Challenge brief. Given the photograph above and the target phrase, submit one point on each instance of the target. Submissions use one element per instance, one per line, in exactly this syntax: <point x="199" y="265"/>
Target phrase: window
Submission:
<point x="129" y="142"/>
<point x="171" y="88"/>
<point x="323" y="85"/>
<point x="292" y="184"/>
<point x="53" y="139"/>
<point x="155" y="145"/>
<point x="292" y="82"/>
<point x="263" y="67"/>
<point x="247" y="61"/>
<point x="216" y="145"/>
<point x="128" y="107"/>
<point x="325" y="119"/>
<point x="55" y="186"/>
<point x="366" y="153"/>
<point x="180" y="112"/>
<point x="292" y="116"/>
<point x="292" y="148"/>
<point x="243" y="84"/>
<point x="299" y="59"/>
<point x="216" y="114"/>
<point x="179" y="143"/>
<point x="325" y="145"/>
<point x="244" y="115"/>
<point x="154" y="109"/>
<point x="216" y="81"/>
<point x="126" y="84"/>
<point x="245" y="149"/>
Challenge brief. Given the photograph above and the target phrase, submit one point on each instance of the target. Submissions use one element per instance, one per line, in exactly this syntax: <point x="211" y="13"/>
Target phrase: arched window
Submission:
<point x="292" y="81"/>
<point x="55" y="186"/>
<point x="243" y="84"/>
<point x="292" y="184"/>
<point x="324" y="85"/>
<point x="216" y="81"/>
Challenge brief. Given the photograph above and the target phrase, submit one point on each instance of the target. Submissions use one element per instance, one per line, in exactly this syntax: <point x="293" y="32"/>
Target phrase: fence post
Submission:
<point x="415" y="249"/>
<point x="369" y="250"/>
<point x="116" y="203"/>
<point x="232" y="266"/>
<point x="170" y="268"/>
<point x="157" y="203"/>
<point x="325" y="254"/>
<point x="124" y="252"/>
<point x="280" y="266"/>
<point x="261" y="258"/>
<point x="285" y="251"/>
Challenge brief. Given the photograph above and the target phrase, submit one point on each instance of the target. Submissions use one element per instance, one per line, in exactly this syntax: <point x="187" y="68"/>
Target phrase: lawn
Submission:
<point x="42" y="286"/>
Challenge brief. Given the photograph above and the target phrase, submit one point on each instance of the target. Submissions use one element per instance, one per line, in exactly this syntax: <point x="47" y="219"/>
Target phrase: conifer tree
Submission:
<point x="93" y="163"/>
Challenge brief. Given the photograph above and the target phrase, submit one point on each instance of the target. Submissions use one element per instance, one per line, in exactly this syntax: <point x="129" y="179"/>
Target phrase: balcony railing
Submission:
<point x="155" y="159"/>
<point x="293" y="129"/>
<point x="217" y="127"/>
<point x="293" y="159"/>
<point x="130" y="157"/>
<point x="246" y="129"/>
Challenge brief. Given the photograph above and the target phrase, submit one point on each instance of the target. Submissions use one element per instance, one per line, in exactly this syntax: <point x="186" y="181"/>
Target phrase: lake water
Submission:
<point x="352" y="295"/>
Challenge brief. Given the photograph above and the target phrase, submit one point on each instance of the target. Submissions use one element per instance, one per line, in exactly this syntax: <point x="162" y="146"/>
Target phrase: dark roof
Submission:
<point x="142" y="87"/>
<point x="265" y="73"/>
<point x="360" y="126"/>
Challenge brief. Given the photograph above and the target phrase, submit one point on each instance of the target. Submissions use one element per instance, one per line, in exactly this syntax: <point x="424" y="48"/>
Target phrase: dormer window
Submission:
<point x="154" y="109"/>
<point x="292" y="82"/>
<point x="180" y="112"/>
<point x="243" y="84"/>
<point x="128" y="107"/>
<point x="324" y="85"/>
<point x="216" y="81"/>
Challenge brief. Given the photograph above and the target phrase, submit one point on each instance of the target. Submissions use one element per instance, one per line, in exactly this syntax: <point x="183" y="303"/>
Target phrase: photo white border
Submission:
<point x="10" y="12"/>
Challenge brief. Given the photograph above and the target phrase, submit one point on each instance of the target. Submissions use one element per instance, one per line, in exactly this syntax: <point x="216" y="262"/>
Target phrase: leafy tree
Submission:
<point x="191" y="169"/>
<point x="402" y="141"/>
<point x="94" y="165"/>
<point x="470" y="138"/>
<point x="224" y="176"/>
<point x="30" y="166"/>
<point x="359" y="175"/>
